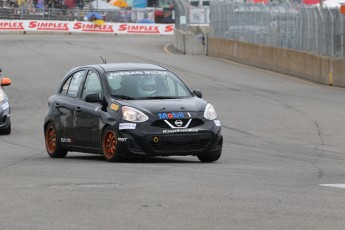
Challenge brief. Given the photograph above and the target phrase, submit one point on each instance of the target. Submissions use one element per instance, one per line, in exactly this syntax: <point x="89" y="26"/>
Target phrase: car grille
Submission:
<point x="164" y="125"/>
<point x="182" y="143"/>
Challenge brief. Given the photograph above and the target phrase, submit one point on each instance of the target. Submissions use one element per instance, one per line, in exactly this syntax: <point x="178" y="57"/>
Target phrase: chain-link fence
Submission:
<point x="292" y="26"/>
<point x="188" y="14"/>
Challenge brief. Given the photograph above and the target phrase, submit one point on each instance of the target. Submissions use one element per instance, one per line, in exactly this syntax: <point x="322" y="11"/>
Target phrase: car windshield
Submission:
<point x="146" y="84"/>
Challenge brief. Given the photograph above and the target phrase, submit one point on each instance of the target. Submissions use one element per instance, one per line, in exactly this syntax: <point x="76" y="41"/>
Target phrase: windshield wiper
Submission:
<point x="160" y="97"/>
<point x="123" y="97"/>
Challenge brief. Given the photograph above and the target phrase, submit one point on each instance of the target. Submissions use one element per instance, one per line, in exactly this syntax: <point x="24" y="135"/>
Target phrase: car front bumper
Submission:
<point x="202" y="141"/>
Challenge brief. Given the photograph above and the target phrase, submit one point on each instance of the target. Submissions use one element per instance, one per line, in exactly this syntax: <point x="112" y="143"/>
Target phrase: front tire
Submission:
<point x="53" y="146"/>
<point x="109" y="145"/>
<point x="7" y="131"/>
<point x="211" y="158"/>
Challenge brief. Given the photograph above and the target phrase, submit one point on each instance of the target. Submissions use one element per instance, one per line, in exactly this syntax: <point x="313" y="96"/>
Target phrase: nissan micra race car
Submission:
<point x="5" y="119"/>
<point x="130" y="109"/>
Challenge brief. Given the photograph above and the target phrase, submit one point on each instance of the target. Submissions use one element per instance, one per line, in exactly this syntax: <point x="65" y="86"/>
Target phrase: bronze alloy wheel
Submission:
<point x="53" y="146"/>
<point x="51" y="139"/>
<point x="109" y="145"/>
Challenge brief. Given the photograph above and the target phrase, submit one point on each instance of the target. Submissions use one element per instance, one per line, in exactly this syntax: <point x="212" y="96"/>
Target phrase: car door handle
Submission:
<point x="78" y="110"/>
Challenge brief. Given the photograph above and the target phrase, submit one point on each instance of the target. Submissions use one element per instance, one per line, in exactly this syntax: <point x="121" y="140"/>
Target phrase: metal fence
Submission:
<point x="293" y="26"/>
<point x="187" y="14"/>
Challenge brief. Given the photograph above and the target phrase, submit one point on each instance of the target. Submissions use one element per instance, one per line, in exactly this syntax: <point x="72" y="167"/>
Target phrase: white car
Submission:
<point x="5" y="118"/>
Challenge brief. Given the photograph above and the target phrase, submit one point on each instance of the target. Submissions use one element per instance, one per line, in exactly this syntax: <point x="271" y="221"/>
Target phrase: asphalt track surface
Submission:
<point x="283" y="139"/>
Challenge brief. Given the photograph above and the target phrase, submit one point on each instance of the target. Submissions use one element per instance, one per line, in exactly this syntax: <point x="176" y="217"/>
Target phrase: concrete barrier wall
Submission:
<point x="188" y="43"/>
<point x="305" y="65"/>
<point x="338" y="72"/>
<point x="179" y="42"/>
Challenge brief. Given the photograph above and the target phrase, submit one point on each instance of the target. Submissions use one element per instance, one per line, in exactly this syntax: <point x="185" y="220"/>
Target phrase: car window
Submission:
<point x="114" y="83"/>
<point x="65" y="86"/>
<point x="175" y="88"/>
<point x="92" y="84"/>
<point x="71" y="86"/>
<point x="141" y="84"/>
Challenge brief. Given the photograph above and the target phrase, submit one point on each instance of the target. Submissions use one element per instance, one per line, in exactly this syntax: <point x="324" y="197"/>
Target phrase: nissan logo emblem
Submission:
<point x="178" y="123"/>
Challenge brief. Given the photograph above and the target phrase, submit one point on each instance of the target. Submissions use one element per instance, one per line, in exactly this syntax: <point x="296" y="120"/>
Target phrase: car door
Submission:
<point x="66" y="104"/>
<point x="88" y="115"/>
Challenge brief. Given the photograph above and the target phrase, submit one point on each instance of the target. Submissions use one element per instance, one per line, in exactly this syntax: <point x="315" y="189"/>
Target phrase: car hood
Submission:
<point x="193" y="104"/>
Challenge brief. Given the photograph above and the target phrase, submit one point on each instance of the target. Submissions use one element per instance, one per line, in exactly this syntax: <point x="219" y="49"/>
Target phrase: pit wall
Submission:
<point x="325" y="70"/>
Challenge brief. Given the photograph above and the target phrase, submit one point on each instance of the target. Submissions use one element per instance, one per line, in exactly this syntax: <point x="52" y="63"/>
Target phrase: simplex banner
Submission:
<point x="86" y="27"/>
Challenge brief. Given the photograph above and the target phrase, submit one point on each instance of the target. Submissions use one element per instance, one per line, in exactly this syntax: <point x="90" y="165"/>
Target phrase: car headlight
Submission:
<point x="134" y="115"/>
<point x="210" y="112"/>
<point x="2" y="95"/>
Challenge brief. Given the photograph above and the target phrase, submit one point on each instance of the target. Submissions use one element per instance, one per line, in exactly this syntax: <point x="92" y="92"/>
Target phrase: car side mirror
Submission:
<point x="5" y="81"/>
<point x="93" y="98"/>
<point x="197" y="93"/>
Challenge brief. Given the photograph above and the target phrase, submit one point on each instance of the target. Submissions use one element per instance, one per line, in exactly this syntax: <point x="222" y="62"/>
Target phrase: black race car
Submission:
<point x="130" y="109"/>
<point x="5" y="119"/>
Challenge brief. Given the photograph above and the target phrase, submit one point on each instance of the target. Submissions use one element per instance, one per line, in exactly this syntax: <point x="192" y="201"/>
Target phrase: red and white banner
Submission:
<point x="86" y="27"/>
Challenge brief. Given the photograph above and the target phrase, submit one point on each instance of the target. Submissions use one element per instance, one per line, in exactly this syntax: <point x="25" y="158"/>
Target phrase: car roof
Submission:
<point x="127" y="66"/>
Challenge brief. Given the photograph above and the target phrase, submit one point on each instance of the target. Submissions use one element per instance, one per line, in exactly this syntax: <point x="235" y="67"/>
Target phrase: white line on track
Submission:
<point x="166" y="48"/>
<point x="334" y="185"/>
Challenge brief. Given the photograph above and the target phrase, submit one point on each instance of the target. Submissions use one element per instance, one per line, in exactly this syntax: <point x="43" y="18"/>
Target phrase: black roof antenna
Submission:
<point x="104" y="60"/>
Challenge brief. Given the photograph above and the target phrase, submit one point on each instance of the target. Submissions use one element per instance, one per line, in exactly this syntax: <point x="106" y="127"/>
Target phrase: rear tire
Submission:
<point x="211" y="158"/>
<point x="53" y="146"/>
<point x="109" y="145"/>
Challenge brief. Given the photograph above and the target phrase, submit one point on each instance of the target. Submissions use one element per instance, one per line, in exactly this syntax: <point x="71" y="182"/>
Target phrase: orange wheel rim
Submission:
<point x="51" y="139"/>
<point x="109" y="144"/>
